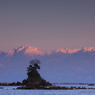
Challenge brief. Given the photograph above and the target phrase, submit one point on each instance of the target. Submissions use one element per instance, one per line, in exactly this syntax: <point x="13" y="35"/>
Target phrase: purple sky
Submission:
<point x="47" y="24"/>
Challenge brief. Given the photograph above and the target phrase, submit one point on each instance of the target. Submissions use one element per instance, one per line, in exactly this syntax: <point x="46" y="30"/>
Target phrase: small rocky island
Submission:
<point x="34" y="80"/>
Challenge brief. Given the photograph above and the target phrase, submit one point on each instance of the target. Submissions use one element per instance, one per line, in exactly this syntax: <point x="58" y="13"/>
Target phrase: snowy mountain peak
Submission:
<point x="88" y="49"/>
<point x="66" y="50"/>
<point x="22" y="48"/>
<point x="30" y="50"/>
<point x="10" y="52"/>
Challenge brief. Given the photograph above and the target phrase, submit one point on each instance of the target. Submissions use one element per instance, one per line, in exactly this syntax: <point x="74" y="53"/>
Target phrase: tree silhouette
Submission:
<point x="34" y="65"/>
<point x="34" y="79"/>
<point x="33" y="75"/>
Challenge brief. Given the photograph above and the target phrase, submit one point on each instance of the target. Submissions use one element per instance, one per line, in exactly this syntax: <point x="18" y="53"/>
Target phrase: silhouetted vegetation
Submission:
<point x="34" y="79"/>
<point x="33" y="75"/>
<point x="11" y="84"/>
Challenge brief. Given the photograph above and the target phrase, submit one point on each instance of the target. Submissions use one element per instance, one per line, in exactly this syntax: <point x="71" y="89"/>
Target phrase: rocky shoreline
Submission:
<point x="53" y="88"/>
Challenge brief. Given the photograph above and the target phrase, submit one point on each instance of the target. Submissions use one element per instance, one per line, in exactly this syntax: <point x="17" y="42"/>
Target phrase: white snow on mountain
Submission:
<point x="88" y="49"/>
<point x="66" y="50"/>
<point x="72" y="65"/>
<point x="28" y="50"/>
<point x="10" y="52"/>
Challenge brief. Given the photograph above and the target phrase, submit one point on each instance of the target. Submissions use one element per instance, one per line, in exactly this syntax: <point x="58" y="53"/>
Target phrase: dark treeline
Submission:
<point x="11" y="84"/>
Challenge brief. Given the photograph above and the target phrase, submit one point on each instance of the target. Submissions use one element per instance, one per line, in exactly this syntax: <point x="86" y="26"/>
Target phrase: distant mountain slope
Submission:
<point x="61" y="65"/>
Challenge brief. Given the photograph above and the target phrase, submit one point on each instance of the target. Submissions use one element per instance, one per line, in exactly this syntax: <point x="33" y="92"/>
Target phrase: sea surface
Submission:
<point x="11" y="90"/>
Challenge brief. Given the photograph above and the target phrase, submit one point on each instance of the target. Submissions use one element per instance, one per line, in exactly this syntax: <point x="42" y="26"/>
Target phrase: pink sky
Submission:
<point x="47" y="24"/>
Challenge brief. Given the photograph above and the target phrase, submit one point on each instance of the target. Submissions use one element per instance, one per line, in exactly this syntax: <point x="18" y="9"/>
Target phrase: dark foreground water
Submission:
<point x="10" y="90"/>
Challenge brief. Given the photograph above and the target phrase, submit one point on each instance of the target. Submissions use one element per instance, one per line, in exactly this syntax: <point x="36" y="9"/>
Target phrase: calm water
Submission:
<point x="8" y="90"/>
<point x="75" y="85"/>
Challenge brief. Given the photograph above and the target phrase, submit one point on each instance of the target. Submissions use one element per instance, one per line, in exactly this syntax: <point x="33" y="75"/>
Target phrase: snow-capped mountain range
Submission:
<point x="60" y="65"/>
<point x="28" y="50"/>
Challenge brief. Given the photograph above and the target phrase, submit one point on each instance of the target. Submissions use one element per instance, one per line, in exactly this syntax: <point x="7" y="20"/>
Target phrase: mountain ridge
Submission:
<point x="37" y="51"/>
<point x="60" y="65"/>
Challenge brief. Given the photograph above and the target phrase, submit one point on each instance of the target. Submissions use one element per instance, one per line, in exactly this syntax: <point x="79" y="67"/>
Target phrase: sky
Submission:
<point x="47" y="24"/>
